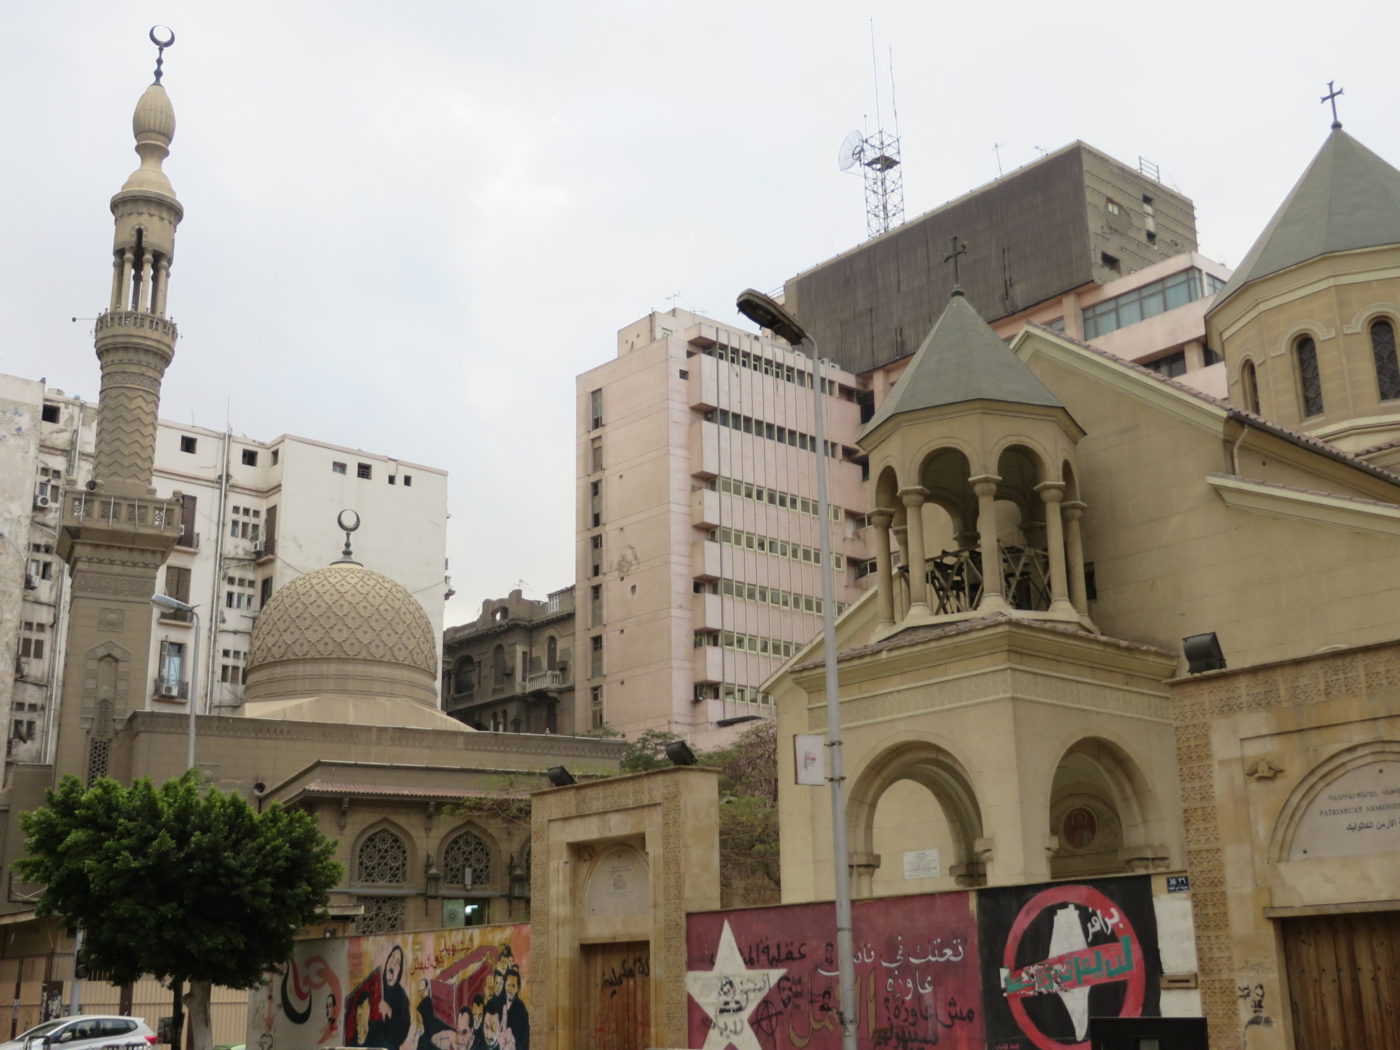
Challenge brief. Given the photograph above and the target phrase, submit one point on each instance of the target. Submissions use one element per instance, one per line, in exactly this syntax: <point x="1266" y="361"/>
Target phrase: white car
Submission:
<point x="85" y="1032"/>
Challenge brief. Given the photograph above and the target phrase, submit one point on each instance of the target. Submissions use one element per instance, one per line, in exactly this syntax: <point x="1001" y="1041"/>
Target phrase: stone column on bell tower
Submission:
<point x="116" y="534"/>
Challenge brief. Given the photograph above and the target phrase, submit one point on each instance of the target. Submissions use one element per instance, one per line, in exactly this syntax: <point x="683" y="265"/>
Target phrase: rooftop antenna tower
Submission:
<point x="877" y="155"/>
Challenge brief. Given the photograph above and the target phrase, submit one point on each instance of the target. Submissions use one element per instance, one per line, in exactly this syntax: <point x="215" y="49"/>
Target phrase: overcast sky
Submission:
<point x="409" y="226"/>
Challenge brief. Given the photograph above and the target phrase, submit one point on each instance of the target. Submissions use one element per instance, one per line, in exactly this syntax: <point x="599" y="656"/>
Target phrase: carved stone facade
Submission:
<point x="620" y="862"/>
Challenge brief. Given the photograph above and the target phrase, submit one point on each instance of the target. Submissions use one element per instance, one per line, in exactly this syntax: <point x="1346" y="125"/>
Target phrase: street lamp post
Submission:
<point x="164" y="601"/>
<point x="765" y="312"/>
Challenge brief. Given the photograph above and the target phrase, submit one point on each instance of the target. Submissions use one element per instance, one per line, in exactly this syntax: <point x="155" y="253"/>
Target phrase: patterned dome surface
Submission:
<point x="344" y="612"/>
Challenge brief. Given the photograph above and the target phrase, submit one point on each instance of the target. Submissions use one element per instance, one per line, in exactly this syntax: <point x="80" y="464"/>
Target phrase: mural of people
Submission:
<point x="433" y="1032"/>
<point x="515" y="1019"/>
<point x="452" y="989"/>
<point x="389" y="1025"/>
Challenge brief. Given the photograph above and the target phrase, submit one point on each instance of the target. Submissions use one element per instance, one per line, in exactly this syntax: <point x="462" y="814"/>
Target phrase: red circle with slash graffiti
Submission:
<point x="1117" y="961"/>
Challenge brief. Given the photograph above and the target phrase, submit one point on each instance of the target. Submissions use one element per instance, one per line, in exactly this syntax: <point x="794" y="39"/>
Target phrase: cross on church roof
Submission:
<point x="1331" y="97"/>
<point x="959" y="248"/>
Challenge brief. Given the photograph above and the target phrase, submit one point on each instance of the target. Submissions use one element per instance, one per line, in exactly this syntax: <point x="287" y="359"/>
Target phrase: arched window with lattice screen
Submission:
<point x="466" y="852"/>
<point x="382" y="859"/>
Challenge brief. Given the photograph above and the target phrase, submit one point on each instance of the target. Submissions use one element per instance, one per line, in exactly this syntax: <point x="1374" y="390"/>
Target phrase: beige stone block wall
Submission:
<point x="1172" y="559"/>
<point x="989" y="715"/>
<point x="1293" y="718"/>
<point x="670" y="819"/>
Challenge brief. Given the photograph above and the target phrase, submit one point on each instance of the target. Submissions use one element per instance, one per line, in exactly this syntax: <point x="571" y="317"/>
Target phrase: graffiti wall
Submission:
<point x="767" y="977"/>
<point x="1000" y="969"/>
<point x="458" y="989"/>
<point x="1054" y="956"/>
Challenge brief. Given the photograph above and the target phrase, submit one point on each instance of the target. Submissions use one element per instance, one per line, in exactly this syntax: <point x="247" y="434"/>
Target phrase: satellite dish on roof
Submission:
<point x="848" y="156"/>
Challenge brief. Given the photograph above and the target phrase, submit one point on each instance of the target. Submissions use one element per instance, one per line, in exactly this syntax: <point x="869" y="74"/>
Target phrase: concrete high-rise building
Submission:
<point x="254" y="515"/>
<point x="697" y="545"/>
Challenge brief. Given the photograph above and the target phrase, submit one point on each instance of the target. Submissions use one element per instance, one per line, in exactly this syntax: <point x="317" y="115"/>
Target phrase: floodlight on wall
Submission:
<point x="1202" y="653"/>
<point x="678" y="751"/>
<point x="559" y="776"/>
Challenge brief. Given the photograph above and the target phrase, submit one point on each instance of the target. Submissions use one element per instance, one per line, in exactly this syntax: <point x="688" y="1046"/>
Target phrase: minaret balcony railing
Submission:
<point x="127" y="512"/>
<point x="142" y="319"/>
<point x="955" y="579"/>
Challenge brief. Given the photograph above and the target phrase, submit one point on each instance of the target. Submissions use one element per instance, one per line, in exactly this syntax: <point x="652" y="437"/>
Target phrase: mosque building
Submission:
<point x="340" y="715"/>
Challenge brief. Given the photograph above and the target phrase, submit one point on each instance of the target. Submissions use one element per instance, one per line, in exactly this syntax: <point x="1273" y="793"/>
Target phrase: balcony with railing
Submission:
<point x="540" y="681"/>
<point x="135" y="517"/>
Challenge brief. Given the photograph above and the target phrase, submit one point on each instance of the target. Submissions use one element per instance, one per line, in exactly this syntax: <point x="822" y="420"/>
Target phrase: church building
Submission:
<point x="1120" y="627"/>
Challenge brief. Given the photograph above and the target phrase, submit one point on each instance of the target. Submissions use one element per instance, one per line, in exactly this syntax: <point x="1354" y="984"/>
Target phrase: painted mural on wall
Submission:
<point x="1054" y="956"/>
<point x="766" y="978"/>
<point x="457" y="989"/>
<point x="1017" y="968"/>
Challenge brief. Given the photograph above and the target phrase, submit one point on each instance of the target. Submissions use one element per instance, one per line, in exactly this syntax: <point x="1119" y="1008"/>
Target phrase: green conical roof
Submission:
<point x="1348" y="198"/>
<point x="962" y="359"/>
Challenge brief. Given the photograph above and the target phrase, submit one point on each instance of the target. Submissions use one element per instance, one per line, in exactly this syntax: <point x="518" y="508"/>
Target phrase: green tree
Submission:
<point x="748" y="811"/>
<point x="182" y="882"/>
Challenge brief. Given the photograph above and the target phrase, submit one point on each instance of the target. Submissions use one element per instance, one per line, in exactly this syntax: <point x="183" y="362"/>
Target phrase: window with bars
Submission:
<point x="382" y="858"/>
<point x="1309" y="376"/>
<point x="382" y="915"/>
<point x="1387" y="367"/>
<point x="466" y="861"/>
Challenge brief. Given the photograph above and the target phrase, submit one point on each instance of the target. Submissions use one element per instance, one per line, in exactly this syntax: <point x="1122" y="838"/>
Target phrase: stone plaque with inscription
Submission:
<point x="1357" y="813"/>
<point x="619" y="883"/>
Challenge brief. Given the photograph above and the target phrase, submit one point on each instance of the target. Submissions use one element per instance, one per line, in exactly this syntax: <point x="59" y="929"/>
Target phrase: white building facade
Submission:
<point x="256" y="514"/>
<point x="697" y="533"/>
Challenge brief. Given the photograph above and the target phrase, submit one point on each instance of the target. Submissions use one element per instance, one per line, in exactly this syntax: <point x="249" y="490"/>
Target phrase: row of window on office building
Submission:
<point x="767" y="366"/>
<point x="756" y="592"/>
<point x="740" y="694"/>
<point x="745" y="643"/>
<point x="771" y="545"/>
<point x="773" y="497"/>
<point x="758" y="428"/>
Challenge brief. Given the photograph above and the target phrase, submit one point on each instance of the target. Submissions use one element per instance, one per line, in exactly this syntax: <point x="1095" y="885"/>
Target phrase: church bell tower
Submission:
<point x="116" y="533"/>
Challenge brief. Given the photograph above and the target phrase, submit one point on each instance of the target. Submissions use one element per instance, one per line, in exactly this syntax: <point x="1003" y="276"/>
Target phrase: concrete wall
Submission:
<point x="1033" y="235"/>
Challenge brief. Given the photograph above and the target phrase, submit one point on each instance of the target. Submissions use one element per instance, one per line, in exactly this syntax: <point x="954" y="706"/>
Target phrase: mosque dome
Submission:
<point x="343" y="630"/>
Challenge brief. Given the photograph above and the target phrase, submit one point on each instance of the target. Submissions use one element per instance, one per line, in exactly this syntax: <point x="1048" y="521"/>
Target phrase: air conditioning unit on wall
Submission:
<point x="170" y="691"/>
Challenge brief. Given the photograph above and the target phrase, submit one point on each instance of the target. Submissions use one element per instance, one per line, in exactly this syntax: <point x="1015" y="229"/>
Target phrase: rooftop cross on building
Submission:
<point x="1331" y="97"/>
<point x="959" y="248"/>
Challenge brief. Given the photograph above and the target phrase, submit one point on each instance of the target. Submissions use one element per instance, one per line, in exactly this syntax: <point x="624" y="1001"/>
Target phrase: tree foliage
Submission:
<point x="748" y="811"/>
<point x="182" y="882"/>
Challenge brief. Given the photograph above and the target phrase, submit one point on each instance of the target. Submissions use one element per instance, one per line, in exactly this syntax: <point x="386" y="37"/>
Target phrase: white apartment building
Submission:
<point x="256" y="514"/>
<point x="697" y="535"/>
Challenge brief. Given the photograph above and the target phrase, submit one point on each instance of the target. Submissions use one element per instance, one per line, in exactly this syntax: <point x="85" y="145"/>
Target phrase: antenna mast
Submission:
<point x="878" y="155"/>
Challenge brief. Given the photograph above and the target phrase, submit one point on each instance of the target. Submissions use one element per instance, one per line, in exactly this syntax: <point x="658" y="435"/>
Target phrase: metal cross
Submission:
<point x="1331" y="97"/>
<point x="959" y="248"/>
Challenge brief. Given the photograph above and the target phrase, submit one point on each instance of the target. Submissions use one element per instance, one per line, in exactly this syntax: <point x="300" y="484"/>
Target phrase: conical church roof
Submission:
<point x="1348" y="198"/>
<point x="961" y="359"/>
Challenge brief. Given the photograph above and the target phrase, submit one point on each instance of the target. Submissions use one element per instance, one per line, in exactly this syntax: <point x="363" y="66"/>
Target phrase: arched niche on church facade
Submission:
<point x="914" y="797"/>
<point x="1104" y="816"/>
